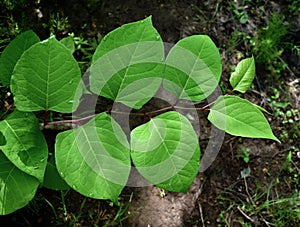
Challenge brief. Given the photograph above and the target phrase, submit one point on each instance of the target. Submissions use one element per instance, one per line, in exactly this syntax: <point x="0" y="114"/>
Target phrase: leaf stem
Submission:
<point x="146" y="114"/>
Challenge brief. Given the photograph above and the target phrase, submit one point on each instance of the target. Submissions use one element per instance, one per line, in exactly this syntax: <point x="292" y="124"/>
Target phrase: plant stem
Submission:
<point x="77" y="121"/>
<point x="46" y="116"/>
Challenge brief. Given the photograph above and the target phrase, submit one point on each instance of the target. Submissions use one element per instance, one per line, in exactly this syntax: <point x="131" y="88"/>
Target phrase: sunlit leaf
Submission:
<point x="128" y="64"/>
<point x="94" y="159"/>
<point x="166" y="151"/>
<point x="241" y="79"/>
<point x="193" y="68"/>
<point x="46" y="78"/>
<point x="240" y="117"/>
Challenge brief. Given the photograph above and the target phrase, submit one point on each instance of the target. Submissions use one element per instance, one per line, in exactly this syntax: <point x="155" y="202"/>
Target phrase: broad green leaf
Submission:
<point x="128" y="64"/>
<point x="47" y="77"/>
<point x="13" y="52"/>
<point x="241" y="79"/>
<point x="94" y="159"/>
<point x="68" y="42"/>
<point x="240" y="117"/>
<point x="193" y="68"/>
<point x="52" y="179"/>
<point x="166" y="151"/>
<point x="2" y="139"/>
<point x="25" y="145"/>
<point x="16" y="187"/>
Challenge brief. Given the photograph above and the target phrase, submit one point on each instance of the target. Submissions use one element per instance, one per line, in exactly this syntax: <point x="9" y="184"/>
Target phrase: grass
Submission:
<point x="259" y="207"/>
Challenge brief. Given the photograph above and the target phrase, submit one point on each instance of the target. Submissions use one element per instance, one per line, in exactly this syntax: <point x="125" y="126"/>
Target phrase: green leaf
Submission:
<point x="25" y="145"/>
<point x="94" y="159"/>
<point x="241" y="79"/>
<point x="47" y="77"/>
<point x="128" y="64"/>
<point x="68" y="42"/>
<point x="16" y="187"/>
<point x="166" y="151"/>
<point x="193" y="68"/>
<point x="13" y="52"/>
<point x="240" y="117"/>
<point x="52" y="179"/>
<point x="2" y="139"/>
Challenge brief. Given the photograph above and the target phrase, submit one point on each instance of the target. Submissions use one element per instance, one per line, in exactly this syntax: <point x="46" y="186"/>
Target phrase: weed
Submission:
<point x="245" y="154"/>
<point x="269" y="44"/>
<point x="257" y="208"/>
<point x="239" y="12"/>
<point x="294" y="6"/>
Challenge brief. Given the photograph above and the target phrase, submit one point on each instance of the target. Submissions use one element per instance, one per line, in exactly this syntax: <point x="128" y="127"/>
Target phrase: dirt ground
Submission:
<point x="219" y="193"/>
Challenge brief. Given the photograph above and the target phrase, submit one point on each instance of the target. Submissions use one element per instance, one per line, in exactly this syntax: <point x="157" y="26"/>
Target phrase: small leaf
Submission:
<point x="53" y="179"/>
<point x="193" y="68"/>
<point x="13" y="52"/>
<point x="166" y="151"/>
<point x="47" y="77"/>
<point x="16" y="187"/>
<point x="25" y="145"/>
<point x="240" y="117"/>
<point x="68" y="42"/>
<point x="128" y="64"/>
<point x="94" y="159"/>
<point x="241" y="79"/>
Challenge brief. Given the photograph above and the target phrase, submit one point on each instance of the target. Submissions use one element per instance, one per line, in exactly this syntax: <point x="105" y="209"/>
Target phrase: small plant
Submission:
<point x="239" y="11"/>
<point x="270" y="43"/>
<point x="94" y="157"/>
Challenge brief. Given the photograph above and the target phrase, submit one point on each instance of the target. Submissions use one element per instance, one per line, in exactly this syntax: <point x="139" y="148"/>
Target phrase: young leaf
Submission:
<point x="17" y="187"/>
<point x="166" y="151"/>
<point x="94" y="159"/>
<point x="47" y="77"/>
<point x="128" y="64"/>
<point x="241" y="79"/>
<point x="193" y="68"/>
<point x="240" y="117"/>
<point x="52" y="179"/>
<point x="13" y="52"/>
<point x="25" y="145"/>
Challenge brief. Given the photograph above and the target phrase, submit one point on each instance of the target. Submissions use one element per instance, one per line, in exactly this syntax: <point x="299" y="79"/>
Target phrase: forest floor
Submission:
<point x="252" y="182"/>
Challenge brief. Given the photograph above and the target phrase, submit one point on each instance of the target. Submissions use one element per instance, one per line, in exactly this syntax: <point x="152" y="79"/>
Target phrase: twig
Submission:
<point x="77" y="121"/>
<point x="245" y="215"/>
<point x="249" y="196"/>
<point x="201" y="214"/>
